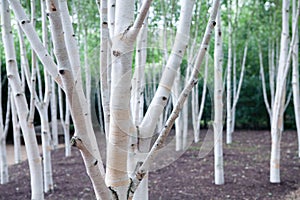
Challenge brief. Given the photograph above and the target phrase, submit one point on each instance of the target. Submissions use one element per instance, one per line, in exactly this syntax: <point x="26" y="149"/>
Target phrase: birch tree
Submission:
<point x="295" y="74"/>
<point x="218" y="104"/>
<point x="283" y="69"/>
<point x="34" y="159"/>
<point x="66" y="73"/>
<point x="4" y="125"/>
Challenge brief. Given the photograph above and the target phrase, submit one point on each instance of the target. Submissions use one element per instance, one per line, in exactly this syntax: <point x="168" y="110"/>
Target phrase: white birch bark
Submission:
<point x="4" y="124"/>
<point x="201" y="109"/>
<point x="85" y="141"/>
<point x="237" y="93"/>
<point x="185" y="114"/>
<point x="116" y="175"/>
<point x="218" y="105"/>
<point x="64" y="120"/>
<point x="105" y="61"/>
<point x="228" y="80"/>
<point x="87" y="73"/>
<point x="138" y="101"/>
<point x="84" y="136"/>
<point x="178" y="121"/>
<point x="195" y="110"/>
<point x="160" y="99"/>
<point x="141" y="171"/>
<point x="125" y="34"/>
<point x="16" y="132"/>
<point x="263" y="81"/>
<point x="34" y="159"/>
<point x="295" y="77"/>
<point x="284" y="65"/>
<point x="54" y="124"/>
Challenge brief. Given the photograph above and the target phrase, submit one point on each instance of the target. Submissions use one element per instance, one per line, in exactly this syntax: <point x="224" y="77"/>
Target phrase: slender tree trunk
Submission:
<point x="160" y="99"/>
<point x="3" y="135"/>
<point x="237" y="93"/>
<point x="277" y="121"/>
<point x="34" y="159"/>
<point x="178" y="121"/>
<point x="105" y="61"/>
<point x="54" y="124"/>
<point x="141" y="171"/>
<point x="16" y="132"/>
<point x="263" y="82"/>
<point x="295" y="79"/>
<point x="138" y="95"/>
<point x="277" y="118"/>
<point x="218" y="104"/>
<point x="87" y="72"/>
<point x="201" y="109"/>
<point x="65" y="122"/>
<point x="228" y="85"/>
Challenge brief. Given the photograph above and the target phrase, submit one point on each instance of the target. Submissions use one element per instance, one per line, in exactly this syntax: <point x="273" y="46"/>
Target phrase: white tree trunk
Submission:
<point x="141" y="171"/>
<point x="284" y="65"/>
<point x="295" y="78"/>
<point x="263" y="82"/>
<point x="228" y="79"/>
<point x="65" y="122"/>
<point x="277" y="117"/>
<point x="201" y="109"/>
<point x="160" y="99"/>
<point x="34" y="159"/>
<point x="178" y="122"/>
<point x="87" y="73"/>
<point x="237" y="93"/>
<point x="83" y="126"/>
<point x="46" y="148"/>
<point x="116" y="168"/>
<point x="105" y="61"/>
<point x="16" y="132"/>
<point x="3" y="133"/>
<point x="218" y="105"/>
<point x="53" y="105"/>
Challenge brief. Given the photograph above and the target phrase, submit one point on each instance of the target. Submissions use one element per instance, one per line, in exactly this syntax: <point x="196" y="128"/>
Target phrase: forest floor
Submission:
<point x="190" y="176"/>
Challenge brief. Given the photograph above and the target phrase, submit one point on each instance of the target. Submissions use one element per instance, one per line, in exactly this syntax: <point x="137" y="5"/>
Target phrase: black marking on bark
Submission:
<point x="116" y="53"/>
<point x="18" y="94"/>
<point x="95" y="162"/>
<point x="180" y="51"/>
<point x="104" y="23"/>
<point x="73" y="35"/>
<point x="130" y="188"/>
<point x="10" y="60"/>
<point x="53" y="7"/>
<point x="113" y="5"/>
<point x="214" y="23"/>
<point x="61" y="71"/>
<point x="164" y="98"/>
<point x="114" y="193"/>
<point x="220" y="33"/>
<point x="23" y="22"/>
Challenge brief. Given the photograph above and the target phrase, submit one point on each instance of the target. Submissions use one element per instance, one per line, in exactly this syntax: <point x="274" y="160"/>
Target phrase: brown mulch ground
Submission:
<point x="189" y="177"/>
